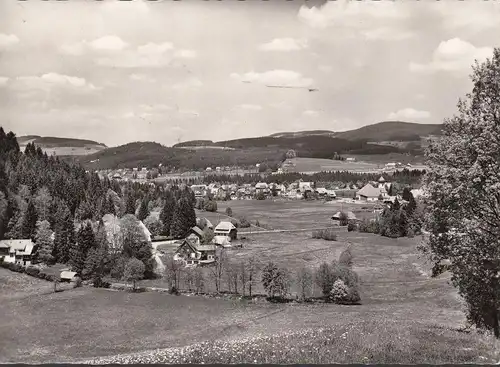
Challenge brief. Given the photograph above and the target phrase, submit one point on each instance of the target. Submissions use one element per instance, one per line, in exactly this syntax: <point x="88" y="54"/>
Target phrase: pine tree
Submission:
<point x="143" y="210"/>
<point x="64" y="235"/>
<point x="130" y="204"/>
<point x="28" y="227"/>
<point x="43" y="239"/>
<point x="184" y="218"/>
<point x="108" y="206"/>
<point x="80" y="249"/>
<point x="167" y="213"/>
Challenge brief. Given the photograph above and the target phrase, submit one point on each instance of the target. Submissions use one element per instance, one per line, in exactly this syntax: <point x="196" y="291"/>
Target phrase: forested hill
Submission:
<point x="42" y="195"/>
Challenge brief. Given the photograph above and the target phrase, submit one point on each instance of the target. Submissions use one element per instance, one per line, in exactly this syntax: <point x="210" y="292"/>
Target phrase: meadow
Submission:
<point x="405" y="316"/>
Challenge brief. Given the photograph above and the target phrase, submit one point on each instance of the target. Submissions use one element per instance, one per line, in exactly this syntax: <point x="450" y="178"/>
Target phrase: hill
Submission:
<point x="391" y="131"/>
<point x="297" y="134"/>
<point x="194" y="143"/>
<point x="61" y="146"/>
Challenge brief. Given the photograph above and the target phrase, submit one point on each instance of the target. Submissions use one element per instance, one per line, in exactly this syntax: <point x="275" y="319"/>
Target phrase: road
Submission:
<point x="337" y="229"/>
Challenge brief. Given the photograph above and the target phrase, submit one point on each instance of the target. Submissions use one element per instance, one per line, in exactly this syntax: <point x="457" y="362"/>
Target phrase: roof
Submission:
<point x="350" y="216"/>
<point x="206" y="248"/>
<point x="146" y="231"/>
<point x="28" y="249"/>
<point x="221" y="240"/>
<point x="15" y="245"/>
<point x="68" y="274"/>
<point x="197" y="230"/>
<point x="261" y="185"/>
<point x="369" y="191"/>
<point x="381" y="179"/>
<point x="225" y="226"/>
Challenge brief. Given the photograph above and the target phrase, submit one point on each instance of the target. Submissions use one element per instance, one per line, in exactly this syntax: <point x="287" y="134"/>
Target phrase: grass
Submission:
<point x="405" y="316"/>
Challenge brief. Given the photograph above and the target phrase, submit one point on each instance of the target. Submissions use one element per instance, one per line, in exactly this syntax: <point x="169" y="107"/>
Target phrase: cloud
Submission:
<point x="141" y="78"/>
<point x="409" y="114"/>
<point x="185" y="54"/>
<point x="111" y="43"/>
<point x="284" y="44"/>
<point x="155" y="48"/>
<point x="51" y="80"/>
<point x="8" y="40"/>
<point x="252" y="107"/>
<point x="325" y="68"/>
<point x="473" y="16"/>
<point x="356" y="14"/>
<point x="190" y="83"/>
<point x="310" y="113"/>
<point x="275" y="77"/>
<point x="455" y="55"/>
<point x="3" y="80"/>
<point x="155" y="107"/>
<point x="387" y="34"/>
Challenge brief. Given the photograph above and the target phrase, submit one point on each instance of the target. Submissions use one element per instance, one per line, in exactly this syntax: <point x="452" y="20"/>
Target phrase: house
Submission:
<point x="226" y="229"/>
<point x="199" y="190"/>
<point x="368" y="193"/>
<point x="261" y="187"/>
<point x="350" y="159"/>
<point x="390" y="166"/>
<point x="196" y="235"/>
<point x="222" y="241"/>
<point x="306" y="186"/>
<point x="350" y="217"/>
<point x="194" y="254"/>
<point x="19" y="251"/>
<point x="4" y="250"/>
<point x="67" y="276"/>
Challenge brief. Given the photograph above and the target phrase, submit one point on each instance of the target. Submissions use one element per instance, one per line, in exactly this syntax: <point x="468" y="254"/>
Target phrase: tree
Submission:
<point x="463" y="215"/>
<point x="232" y="276"/>
<point x="108" y="206"/>
<point x="29" y="220"/>
<point x="252" y="268"/>
<point x="199" y="280"/>
<point x="80" y="249"/>
<point x="167" y="213"/>
<point x="143" y="210"/>
<point x="345" y="258"/>
<point x="325" y="278"/>
<point x="184" y="218"/>
<point x="43" y="202"/>
<point x="130" y="203"/>
<point x="339" y="291"/>
<point x="217" y="270"/>
<point x="153" y="225"/>
<point x="135" y="243"/>
<point x="210" y="206"/>
<point x="98" y="261"/>
<point x="343" y="219"/>
<point x="64" y="234"/>
<point x="134" y="271"/>
<point x="43" y="239"/>
<point x="173" y="271"/>
<point x="229" y="212"/>
<point x="275" y="280"/>
<point x="304" y="282"/>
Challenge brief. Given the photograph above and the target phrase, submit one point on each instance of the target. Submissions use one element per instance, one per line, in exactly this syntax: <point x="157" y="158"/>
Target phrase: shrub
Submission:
<point x="31" y="270"/>
<point x="229" y="212"/>
<point x="99" y="283"/>
<point x="173" y="290"/>
<point x="351" y="226"/>
<point x="244" y="223"/>
<point x="339" y="291"/>
<point x="328" y="234"/>
<point x="235" y="222"/>
<point x="50" y="277"/>
<point x="210" y="206"/>
<point x="77" y="282"/>
<point x="343" y="219"/>
<point x="367" y="226"/>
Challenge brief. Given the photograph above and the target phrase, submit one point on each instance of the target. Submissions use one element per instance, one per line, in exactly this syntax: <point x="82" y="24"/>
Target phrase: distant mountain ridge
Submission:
<point x="61" y="146"/>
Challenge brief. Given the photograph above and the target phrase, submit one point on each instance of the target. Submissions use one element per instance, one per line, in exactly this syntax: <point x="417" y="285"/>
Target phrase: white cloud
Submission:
<point x="471" y="16"/>
<point x="8" y="40"/>
<point x="155" y="48"/>
<point x="386" y="34"/>
<point x="409" y="114"/>
<point x="284" y="44"/>
<point x="455" y="55"/>
<point x="3" y="80"/>
<point x="141" y="78"/>
<point x="190" y="83"/>
<point x="111" y="43"/>
<point x="310" y="113"/>
<point x="50" y="80"/>
<point x="252" y="107"/>
<point x="356" y="14"/>
<point x="275" y="77"/>
<point x="185" y="54"/>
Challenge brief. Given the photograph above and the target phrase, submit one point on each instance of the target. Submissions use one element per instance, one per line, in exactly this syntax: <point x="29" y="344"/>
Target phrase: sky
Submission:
<point x="170" y="71"/>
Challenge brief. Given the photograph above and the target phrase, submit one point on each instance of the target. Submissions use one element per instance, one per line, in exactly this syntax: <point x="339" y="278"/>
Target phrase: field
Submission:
<point x="405" y="316"/>
<point x="363" y="163"/>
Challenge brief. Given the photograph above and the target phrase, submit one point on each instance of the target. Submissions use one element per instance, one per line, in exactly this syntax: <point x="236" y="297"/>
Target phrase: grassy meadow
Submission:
<point x="405" y="316"/>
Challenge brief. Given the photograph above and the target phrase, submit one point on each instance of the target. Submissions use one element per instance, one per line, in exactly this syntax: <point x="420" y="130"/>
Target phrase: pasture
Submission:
<point x="405" y="316"/>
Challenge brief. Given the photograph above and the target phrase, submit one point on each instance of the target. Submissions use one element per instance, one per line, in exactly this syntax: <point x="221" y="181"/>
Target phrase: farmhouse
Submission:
<point x="226" y="229"/>
<point x="196" y="235"/>
<point x="67" y="276"/>
<point x="194" y="254"/>
<point x="368" y="193"/>
<point x="350" y="216"/>
<point x="19" y="251"/>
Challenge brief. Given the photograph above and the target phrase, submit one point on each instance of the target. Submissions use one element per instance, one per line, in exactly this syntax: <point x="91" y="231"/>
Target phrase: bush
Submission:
<point x="210" y="206"/>
<point x="77" y="282"/>
<point x="351" y="226"/>
<point x="229" y="212"/>
<point x="367" y="226"/>
<point x="339" y="291"/>
<point x="174" y="291"/>
<point x="99" y="283"/>
<point x="31" y="270"/>
<point x="328" y="234"/>
<point x="244" y="223"/>
<point x="50" y="277"/>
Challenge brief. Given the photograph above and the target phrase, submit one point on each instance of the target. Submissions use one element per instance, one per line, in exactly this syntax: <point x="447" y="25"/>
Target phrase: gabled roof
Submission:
<point x="225" y="226"/>
<point x="28" y="250"/>
<point x="381" y="179"/>
<point x="202" y="248"/>
<point x="350" y="216"/>
<point x="198" y="231"/>
<point x="369" y="191"/>
<point x="15" y="245"/>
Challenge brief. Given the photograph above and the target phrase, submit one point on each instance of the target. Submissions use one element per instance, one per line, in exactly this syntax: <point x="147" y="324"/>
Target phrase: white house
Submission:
<point x="226" y="229"/>
<point x="368" y="193"/>
<point x="19" y="251"/>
